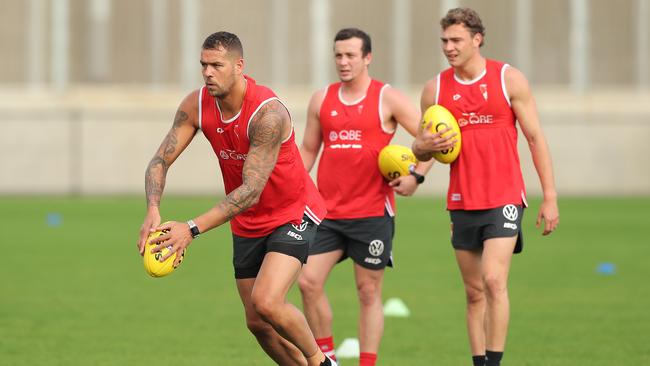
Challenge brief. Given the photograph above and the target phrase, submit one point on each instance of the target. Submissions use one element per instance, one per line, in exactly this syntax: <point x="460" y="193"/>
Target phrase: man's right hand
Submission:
<point x="151" y="222"/>
<point x="427" y="142"/>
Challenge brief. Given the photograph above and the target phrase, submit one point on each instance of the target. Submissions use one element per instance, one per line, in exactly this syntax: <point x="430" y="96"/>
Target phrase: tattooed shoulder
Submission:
<point x="270" y="124"/>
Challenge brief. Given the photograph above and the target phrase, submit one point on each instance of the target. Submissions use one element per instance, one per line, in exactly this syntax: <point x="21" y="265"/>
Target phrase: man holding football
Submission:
<point x="486" y="195"/>
<point x="271" y="203"/>
<point x="353" y="120"/>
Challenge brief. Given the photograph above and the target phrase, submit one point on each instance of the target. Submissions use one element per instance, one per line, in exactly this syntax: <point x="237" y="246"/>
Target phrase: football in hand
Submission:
<point x="395" y="161"/>
<point x="152" y="263"/>
<point x="440" y="119"/>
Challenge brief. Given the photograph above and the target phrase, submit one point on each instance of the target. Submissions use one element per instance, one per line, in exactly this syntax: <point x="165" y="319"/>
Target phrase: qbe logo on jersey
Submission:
<point x="228" y="154"/>
<point x="511" y="213"/>
<point x="345" y="135"/>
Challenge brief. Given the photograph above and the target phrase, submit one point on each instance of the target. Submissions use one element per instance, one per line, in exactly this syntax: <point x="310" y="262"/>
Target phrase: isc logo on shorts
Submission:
<point x="294" y="235"/>
<point x="372" y="260"/>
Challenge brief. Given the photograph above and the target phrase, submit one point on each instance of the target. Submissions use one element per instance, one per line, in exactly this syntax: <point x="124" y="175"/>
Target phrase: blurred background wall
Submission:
<point x="88" y="88"/>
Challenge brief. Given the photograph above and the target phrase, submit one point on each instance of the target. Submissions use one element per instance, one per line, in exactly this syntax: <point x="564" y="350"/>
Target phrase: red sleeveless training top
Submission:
<point x="289" y="193"/>
<point x="348" y="174"/>
<point x="487" y="173"/>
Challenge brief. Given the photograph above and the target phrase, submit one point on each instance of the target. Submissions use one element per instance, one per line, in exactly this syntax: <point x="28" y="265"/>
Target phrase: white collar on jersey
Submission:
<point x="469" y="82"/>
<point x="345" y="102"/>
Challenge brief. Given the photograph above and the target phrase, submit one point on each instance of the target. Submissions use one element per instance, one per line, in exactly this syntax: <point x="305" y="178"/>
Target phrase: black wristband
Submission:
<point x="194" y="230"/>
<point x="419" y="178"/>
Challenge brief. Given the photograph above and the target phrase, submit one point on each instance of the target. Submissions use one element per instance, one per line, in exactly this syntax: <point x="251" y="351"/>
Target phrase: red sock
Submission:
<point x="326" y="345"/>
<point x="367" y="359"/>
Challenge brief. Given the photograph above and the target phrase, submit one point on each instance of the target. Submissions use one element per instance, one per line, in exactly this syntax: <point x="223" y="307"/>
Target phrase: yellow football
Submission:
<point x="440" y="118"/>
<point x="152" y="263"/>
<point x="395" y="161"/>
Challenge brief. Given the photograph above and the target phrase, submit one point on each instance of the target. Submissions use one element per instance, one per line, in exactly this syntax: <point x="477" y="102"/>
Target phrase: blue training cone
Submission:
<point x="54" y="219"/>
<point x="606" y="269"/>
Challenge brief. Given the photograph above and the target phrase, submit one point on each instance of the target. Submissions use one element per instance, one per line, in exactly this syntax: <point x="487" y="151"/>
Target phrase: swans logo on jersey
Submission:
<point x="228" y="154"/>
<point x="219" y="130"/>
<point x="475" y="119"/>
<point x="334" y="113"/>
<point x="483" y="89"/>
<point x="456" y="97"/>
<point x="360" y="108"/>
<point x="302" y="227"/>
<point x="376" y="247"/>
<point x="345" y="135"/>
<point x="510" y="212"/>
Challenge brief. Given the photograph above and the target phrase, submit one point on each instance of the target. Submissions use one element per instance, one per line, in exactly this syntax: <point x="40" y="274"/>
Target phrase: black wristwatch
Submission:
<point x="419" y="178"/>
<point x="194" y="230"/>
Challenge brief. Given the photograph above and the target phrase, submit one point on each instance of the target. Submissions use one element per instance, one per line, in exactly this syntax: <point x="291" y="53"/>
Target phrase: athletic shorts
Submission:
<point x="292" y="240"/>
<point x="470" y="228"/>
<point x="368" y="241"/>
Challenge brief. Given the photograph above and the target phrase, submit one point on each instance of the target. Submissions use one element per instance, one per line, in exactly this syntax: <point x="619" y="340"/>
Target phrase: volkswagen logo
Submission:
<point x="376" y="247"/>
<point x="510" y="212"/>
<point x="301" y="227"/>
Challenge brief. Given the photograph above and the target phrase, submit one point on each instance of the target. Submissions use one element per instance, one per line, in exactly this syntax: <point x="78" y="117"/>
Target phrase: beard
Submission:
<point x="217" y="93"/>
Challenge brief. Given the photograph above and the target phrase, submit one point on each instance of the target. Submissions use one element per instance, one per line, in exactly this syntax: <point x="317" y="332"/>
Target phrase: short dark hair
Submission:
<point x="467" y="17"/>
<point x="347" y="33"/>
<point x="229" y="41"/>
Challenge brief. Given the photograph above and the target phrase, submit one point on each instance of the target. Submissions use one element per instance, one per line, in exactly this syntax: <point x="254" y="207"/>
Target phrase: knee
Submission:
<point x="369" y="293"/>
<point x="475" y="294"/>
<point x="495" y="286"/>
<point x="265" y="307"/>
<point x="309" y="286"/>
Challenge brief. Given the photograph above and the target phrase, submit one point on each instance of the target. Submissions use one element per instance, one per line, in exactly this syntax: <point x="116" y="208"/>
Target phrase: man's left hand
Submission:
<point x="404" y="186"/>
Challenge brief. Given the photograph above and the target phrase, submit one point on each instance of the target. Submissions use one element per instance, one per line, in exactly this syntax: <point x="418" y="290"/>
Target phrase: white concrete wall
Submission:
<point x="99" y="141"/>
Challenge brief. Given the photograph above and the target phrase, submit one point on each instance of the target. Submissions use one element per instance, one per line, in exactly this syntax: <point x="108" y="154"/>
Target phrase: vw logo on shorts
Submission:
<point x="376" y="247"/>
<point x="510" y="212"/>
<point x="302" y="227"/>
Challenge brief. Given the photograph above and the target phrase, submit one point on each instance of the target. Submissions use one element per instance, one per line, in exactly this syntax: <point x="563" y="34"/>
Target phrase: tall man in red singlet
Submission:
<point x="272" y="204"/>
<point x="486" y="190"/>
<point x="353" y="120"/>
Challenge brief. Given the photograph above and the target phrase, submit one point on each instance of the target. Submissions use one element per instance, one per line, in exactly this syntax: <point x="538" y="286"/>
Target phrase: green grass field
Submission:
<point x="77" y="294"/>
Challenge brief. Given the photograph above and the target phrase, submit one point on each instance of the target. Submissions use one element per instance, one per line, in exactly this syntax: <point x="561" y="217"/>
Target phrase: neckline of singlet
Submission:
<point x="354" y="102"/>
<point x="233" y="118"/>
<point x="470" y="82"/>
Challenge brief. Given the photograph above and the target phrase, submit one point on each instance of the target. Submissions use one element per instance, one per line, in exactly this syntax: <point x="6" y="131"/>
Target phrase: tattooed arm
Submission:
<point x="179" y="136"/>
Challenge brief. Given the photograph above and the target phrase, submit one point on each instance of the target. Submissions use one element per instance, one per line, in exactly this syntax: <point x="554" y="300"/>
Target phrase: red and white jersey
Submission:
<point x="348" y="174"/>
<point x="289" y="192"/>
<point x="487" y="172"/>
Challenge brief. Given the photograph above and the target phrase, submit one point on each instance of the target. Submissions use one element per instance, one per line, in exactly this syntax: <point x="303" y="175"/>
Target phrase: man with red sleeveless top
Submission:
<point x="272" y="204"/>
<point x="486" y="194"/>
<point x="353" y="120"/>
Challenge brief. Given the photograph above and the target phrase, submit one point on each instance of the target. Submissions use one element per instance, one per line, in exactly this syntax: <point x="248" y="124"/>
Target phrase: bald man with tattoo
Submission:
<point x="271" y="202"/>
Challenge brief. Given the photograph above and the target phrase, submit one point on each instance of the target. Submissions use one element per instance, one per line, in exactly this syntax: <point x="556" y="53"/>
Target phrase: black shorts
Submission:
<point x="289" y="239"/>
<point x="368" y="241"/>
<point x="470" y="228"/>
